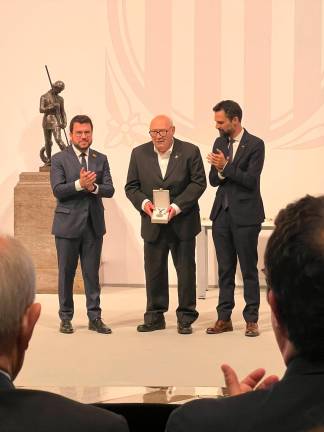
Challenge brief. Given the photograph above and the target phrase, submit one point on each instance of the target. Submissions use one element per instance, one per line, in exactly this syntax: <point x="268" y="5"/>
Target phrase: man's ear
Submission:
<point x="29" y="320"/>
<point x="235" y="120"/>
<point x="273" y="306"/>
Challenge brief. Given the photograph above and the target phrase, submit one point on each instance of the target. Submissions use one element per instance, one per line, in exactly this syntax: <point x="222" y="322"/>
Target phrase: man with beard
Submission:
<point x="236" y="165"/>
<point x="80" y="178"/>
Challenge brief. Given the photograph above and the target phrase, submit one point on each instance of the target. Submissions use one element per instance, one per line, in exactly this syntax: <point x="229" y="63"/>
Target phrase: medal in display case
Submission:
<point x="161" y="201"/>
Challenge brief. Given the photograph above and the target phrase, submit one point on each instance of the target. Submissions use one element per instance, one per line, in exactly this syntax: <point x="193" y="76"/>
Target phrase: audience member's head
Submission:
<point x="18" y="312"/>
<point x="294" y="268"/>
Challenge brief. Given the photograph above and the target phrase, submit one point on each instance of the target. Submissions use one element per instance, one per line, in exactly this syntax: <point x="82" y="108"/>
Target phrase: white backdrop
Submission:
<point x="124" y="61"/>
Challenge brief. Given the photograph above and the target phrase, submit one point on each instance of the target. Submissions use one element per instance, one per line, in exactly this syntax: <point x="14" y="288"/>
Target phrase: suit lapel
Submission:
<point x="153" y="159"/>
<point x="92" y="158"/>
<point x="241" y="148"/>
<point x="73" y="158"/>
<point x="174" y="158"/>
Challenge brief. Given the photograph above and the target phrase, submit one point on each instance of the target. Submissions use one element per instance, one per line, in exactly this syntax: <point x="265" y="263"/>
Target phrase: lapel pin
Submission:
<point x="176" y="156"/>
<point x="94" y="155"/>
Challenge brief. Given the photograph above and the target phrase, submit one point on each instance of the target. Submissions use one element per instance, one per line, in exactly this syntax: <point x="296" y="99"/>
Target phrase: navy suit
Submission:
<point x="186" y="181"/>
<point x="237" y="224"/>
<point x="38" y="411"/>
<point x="79" y="226"/>
<point x="296" y="403"/>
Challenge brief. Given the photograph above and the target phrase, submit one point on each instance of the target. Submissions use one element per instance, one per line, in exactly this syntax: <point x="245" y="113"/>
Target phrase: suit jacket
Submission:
<point x="73" y="206"/>
<point x="5" y="382"/>
<point x="185" y="178"/>
<point x="296" y="403"/>
<point x="38" y="411"/>
<point x="242" y="181"/>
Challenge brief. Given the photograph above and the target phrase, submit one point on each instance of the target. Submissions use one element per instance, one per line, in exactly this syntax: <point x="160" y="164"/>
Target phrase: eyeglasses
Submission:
<point x="86" y="133"/>
<point x="161" y="132"/>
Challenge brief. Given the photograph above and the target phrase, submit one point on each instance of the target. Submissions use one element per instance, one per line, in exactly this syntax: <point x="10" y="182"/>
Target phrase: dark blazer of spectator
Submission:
<point x="294" y="269"/>
<point x="295" y="403"/>
<point x="33" y="410"/>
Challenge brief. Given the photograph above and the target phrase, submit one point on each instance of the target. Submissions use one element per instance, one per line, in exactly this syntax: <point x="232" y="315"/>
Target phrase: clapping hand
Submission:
<point x="87" y="178"/>
<point x="217" y="159"/>
<point x="249" y="383"/>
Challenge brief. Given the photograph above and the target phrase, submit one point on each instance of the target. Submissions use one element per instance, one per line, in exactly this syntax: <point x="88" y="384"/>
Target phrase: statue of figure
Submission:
<point x="52" y="105"/>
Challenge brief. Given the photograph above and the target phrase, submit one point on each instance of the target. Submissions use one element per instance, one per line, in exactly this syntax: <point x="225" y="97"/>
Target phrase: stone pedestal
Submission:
<point x="34" y="208"/>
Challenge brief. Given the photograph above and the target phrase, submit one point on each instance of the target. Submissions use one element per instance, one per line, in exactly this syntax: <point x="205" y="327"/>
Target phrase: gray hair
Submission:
<point x="17" y="285"/>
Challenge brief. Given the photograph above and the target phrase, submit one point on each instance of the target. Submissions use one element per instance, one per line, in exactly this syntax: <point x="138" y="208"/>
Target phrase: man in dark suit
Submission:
<point x="168" y="163"/>
<point x="294" y="269"/>
<point x="32" y="410"/>
<point x="80" y="178"/>
<point x="236" y="165"/>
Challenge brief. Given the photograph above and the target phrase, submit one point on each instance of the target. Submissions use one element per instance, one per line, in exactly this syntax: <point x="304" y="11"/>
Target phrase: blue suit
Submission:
<point x="236" y="224"/>
<point x="79" y="226"/>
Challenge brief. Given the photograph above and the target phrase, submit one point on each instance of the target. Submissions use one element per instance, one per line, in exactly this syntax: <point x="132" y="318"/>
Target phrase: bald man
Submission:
<point x="168" y="163"/>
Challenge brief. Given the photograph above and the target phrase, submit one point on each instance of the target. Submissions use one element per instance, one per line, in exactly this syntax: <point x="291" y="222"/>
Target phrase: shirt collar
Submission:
<point x="239" y="136"/>
<point x="5" y="374"/>
<point x="78" y="152"/>
<point x="167" y="153"/>
<point x="302" y="366"/>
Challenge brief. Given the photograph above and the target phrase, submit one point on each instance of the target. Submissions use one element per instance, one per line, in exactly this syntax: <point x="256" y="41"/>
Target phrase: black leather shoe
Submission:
<point x="99" y="326"/>
<point x="66" y="327"/>
<point x="184" y="328"/>
<point x="151" y="327"/>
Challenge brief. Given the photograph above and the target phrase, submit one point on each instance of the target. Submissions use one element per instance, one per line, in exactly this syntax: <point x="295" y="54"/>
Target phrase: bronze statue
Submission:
<point x="52" y="105"/>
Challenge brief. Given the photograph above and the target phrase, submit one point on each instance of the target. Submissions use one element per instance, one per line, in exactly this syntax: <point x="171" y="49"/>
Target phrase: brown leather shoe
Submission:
<point x="220" y="327"/>
<point x="252" y="329"/>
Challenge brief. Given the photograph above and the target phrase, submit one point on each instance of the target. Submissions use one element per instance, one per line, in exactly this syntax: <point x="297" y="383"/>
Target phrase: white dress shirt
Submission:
<point x="163" y="160"/>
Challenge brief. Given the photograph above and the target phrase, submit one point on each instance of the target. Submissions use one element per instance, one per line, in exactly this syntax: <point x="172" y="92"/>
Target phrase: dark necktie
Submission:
<point x="83" y="160"/>
<point x="225" y="203"/>
<point x="230" y="150"/>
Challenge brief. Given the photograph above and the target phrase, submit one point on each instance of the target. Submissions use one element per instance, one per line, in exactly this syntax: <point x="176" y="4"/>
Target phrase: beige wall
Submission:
<point x="125" y="61"/>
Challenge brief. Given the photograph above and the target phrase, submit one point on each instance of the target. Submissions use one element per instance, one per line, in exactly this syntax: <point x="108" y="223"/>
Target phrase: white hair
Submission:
<point x="17" y="285"/>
